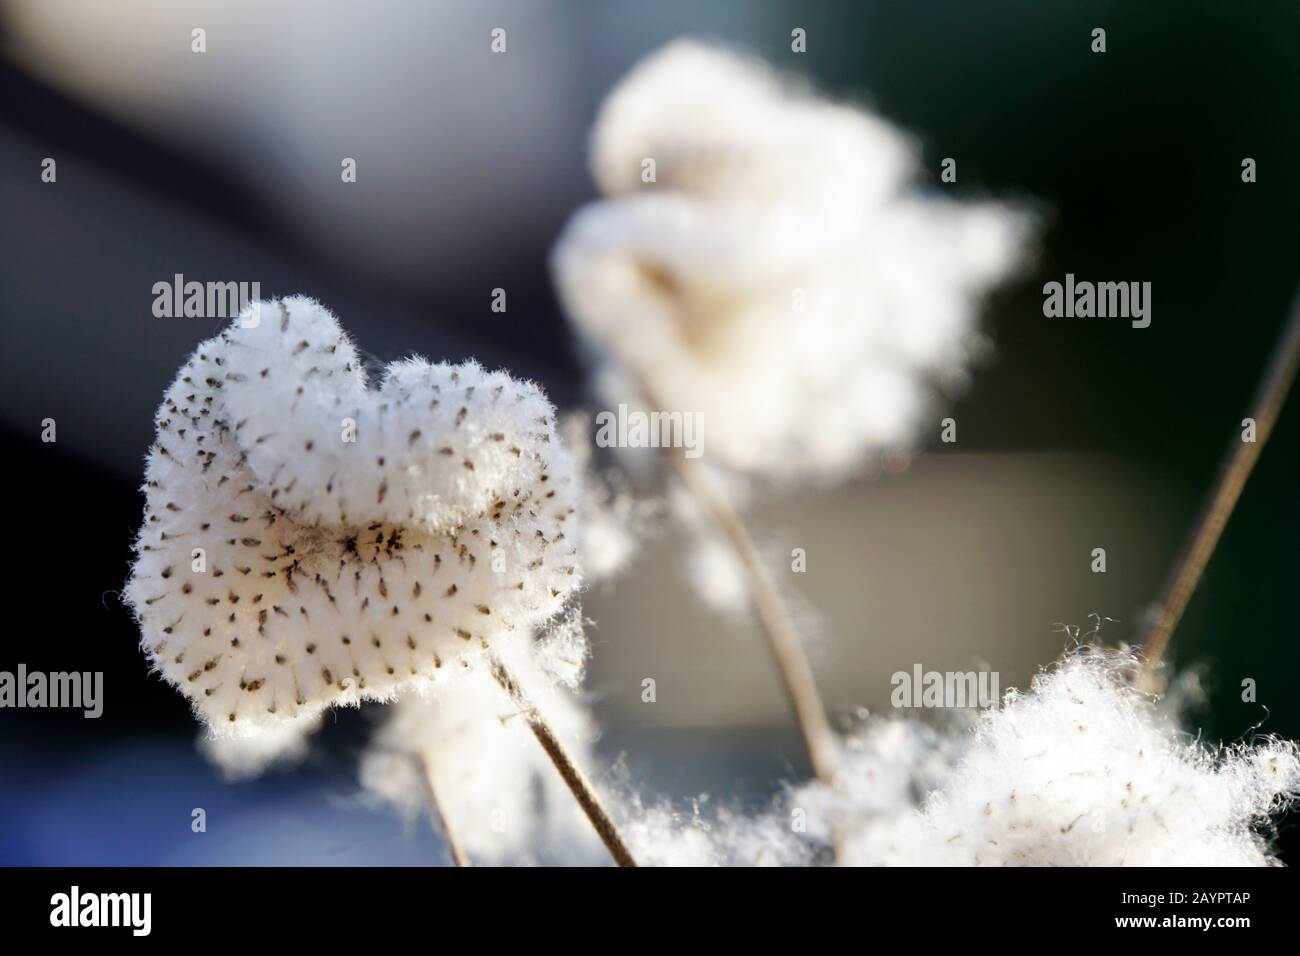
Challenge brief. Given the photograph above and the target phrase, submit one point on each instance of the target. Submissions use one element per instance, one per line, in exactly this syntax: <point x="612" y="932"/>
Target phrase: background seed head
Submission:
<point x="781" y="276"/>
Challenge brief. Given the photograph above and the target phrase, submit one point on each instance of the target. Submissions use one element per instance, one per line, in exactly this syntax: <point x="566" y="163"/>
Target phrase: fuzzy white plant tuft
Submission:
<point x="613" y="524"/>
<point x="281" y="745"/>
<point x="778" y="276"/>
<point x="309" y="540"/>
<point x="1082" y="770"/>
<point x="663" y="836"/>
<point x="496" y="790"/>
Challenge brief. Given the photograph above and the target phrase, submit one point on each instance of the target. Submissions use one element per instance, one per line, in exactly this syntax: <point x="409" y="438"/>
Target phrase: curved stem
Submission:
<point x="576" y="780"/>
<point x="1239" y="463"/>
<point x="457" y="852"/>
<point x="782" y="639"/>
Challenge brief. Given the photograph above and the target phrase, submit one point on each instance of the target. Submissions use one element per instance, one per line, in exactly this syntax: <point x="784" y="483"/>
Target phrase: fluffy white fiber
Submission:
<point x="662" y="836"/>
<point x="496" y="789"/>
<point x="282" y="744"/>
<point x="309" y="540"/>
<point x="613" y="524"/>
<point x="779" y="276"/>
<point x="1083" y="770"/>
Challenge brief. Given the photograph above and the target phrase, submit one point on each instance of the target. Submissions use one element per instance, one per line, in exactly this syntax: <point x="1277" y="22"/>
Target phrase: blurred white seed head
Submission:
<point x="711" y="567"/>
<point x="495" y="787"/>
<point x="612" y="522"/>
<point x="311" y="541"/>
<point x="282" y="744"/>
<point x="778" y="276"/>
<point x="1082" y="770"/>
<point x="662" y="836"/>
<point x="719" y="123"/>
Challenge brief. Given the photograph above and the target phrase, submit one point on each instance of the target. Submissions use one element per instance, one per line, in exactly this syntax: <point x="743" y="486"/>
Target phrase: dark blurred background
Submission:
<point x="1077" y="434"/>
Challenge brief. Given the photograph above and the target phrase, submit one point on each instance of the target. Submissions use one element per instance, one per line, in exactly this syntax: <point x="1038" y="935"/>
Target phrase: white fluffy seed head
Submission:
<point x="723" y="124"/>
<point x="777" y="277"/>
<point x="1083" y="770"/>
<point x="310" y="541"/>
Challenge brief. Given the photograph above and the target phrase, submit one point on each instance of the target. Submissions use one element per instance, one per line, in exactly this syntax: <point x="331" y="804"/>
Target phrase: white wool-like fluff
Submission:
<point x="496" y="789"/>
<point x="309" y="540"/>
<point x="716" y="574"/>
<point x="280" y="745"/>
<point x="717" y="122"/>
<point x="612" y="523"/>
<point x="1082" y="770"/>
<point x="662" y="836"/>
<point x="778" y="277"/>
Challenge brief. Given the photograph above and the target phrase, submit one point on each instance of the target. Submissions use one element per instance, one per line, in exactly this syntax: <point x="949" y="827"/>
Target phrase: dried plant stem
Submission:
<point x="576" y="780"/>
<point x="782" y="638"/>
<point x="1239" y="463"/>
<point x="453" y="845"/>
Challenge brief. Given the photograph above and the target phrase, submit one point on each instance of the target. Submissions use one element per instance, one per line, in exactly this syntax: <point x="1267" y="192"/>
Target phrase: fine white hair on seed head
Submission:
<point x="613" y="523"/>
<point x="309" y="540"/>
<point x="1081" y="770"/>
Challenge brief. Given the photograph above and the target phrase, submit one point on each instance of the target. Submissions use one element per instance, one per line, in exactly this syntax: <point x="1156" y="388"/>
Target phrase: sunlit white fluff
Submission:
<point x="1081" y="770"/>
<point x="662" y="836"/>
<point x="309" y="540"/>
<point x="779" y="276"/>
<point x="283" y="744"/>
<point x="495" y="788"/>
<point x="613" y="524"/>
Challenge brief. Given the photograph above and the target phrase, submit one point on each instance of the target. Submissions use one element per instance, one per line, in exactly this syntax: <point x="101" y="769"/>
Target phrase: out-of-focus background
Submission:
<point x="1077" y="434"/>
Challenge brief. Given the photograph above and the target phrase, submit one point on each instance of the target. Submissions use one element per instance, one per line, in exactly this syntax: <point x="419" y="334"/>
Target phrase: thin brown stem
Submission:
<point x="1237" y="466"/>
<point x="457" y="852"/>
<point x="576" y="780"/>
<point x="782" y="639"/>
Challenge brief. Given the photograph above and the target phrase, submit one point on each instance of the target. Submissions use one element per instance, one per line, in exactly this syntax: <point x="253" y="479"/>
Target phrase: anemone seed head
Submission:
<point x="778" y="274"/>
<point x="311" y="541"/>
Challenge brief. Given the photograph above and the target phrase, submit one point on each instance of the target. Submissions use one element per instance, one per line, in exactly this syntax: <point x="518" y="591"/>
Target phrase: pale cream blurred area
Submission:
<point x="441" y="130"/>
<point x="961" y="562"/>
<point x="489" y="147"/>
